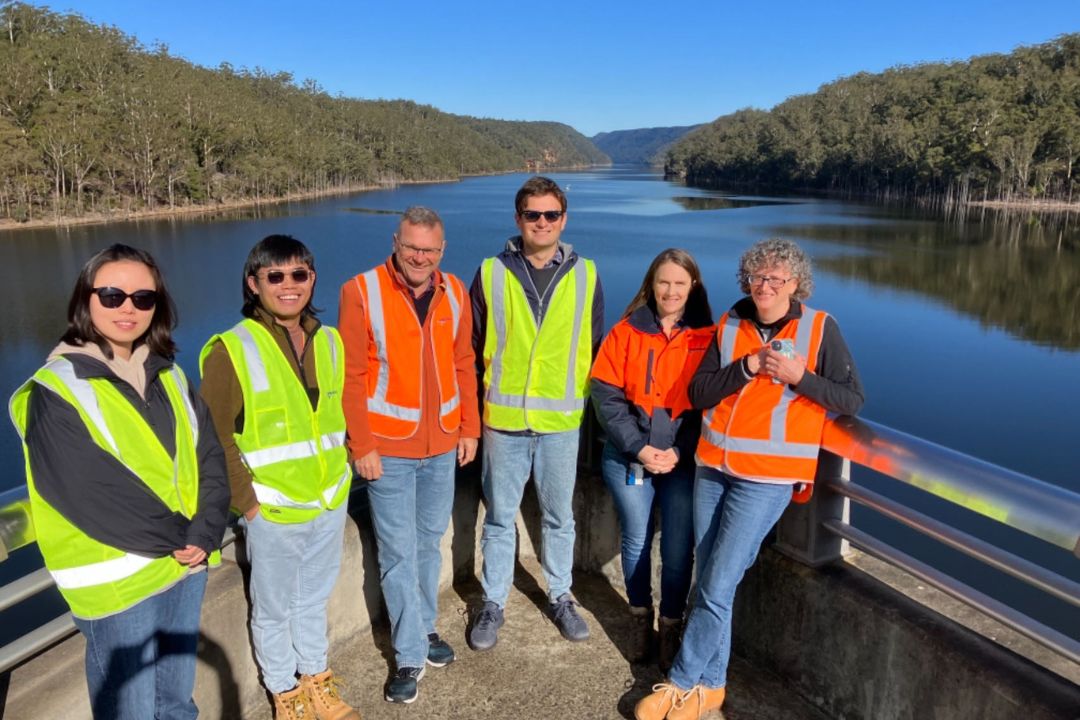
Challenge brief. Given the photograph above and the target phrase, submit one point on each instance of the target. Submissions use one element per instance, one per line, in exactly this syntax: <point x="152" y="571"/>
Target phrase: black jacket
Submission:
<point x="835" y="385"/>
<point x="100" y="496"/>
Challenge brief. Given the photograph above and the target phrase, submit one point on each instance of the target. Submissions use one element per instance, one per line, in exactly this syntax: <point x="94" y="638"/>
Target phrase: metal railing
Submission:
<point x="813" y="533"/>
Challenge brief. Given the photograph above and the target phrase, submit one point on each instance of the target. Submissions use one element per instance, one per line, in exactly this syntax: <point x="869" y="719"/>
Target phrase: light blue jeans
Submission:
<point x="293" y="569"/>
<point x="140" y="663"/>
<point x="731" y="518"/>
<point x="410" y="511"/>
<point x="508" y="461"/>
<point x="674" y="493"/>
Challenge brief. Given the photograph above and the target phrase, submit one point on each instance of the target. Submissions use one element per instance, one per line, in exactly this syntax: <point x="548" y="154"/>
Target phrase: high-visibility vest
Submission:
<point x="94" y="578"/>
<point x="537" y="378"/>
<point x="396" y="354"/>
<point x="765" y="431"/>
<point x="296" y="455"/>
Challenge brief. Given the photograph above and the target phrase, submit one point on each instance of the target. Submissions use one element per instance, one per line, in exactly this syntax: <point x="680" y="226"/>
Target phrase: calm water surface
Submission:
<point x="966" y="333"/>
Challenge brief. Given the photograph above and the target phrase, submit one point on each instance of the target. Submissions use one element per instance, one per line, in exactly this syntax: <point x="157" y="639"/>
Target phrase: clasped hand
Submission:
<point x="657" y="461"/>
<point x="769" y="362"/>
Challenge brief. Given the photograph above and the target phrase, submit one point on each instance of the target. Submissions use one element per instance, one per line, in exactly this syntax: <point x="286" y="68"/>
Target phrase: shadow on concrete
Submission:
<point x="360" y="511"/>
<point x="215" y="656"/>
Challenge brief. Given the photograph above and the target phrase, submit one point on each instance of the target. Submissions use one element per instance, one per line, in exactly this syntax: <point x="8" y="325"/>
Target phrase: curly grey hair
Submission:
<point x="766" y="254"/>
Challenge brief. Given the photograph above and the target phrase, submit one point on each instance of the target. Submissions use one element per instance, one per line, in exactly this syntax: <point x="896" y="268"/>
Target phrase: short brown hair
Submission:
<point x="535" y="187"/>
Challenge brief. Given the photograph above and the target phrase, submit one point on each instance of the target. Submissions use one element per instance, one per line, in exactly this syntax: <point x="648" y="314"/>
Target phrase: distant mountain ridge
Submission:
<point x="642" y="145"/>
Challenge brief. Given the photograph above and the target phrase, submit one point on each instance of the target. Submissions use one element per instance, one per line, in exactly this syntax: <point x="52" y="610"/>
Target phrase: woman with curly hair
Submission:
<point x="776" y="368"/>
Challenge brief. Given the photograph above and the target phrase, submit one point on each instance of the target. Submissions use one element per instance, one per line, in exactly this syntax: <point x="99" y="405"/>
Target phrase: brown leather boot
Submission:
<point x="670" y="639"/>
<point x="293" y="705"/>
<point x="639" y="647"/>
<point x="325" y="699"/>
<point x="694" y="704"/>
<point x="657" y="705"/>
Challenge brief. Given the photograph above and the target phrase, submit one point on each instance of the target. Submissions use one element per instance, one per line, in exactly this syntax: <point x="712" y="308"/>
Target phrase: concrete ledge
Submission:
<point x="859" y="649"/>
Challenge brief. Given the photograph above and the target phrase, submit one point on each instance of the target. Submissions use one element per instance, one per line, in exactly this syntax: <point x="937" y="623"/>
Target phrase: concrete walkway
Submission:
<point x="533" y="672"/>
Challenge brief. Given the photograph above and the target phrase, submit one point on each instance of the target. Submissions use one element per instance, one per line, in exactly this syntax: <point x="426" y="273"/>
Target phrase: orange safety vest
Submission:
<point x="652" y="370"/>
<point x="396" y="347"/>
<point x="766" y="430"/>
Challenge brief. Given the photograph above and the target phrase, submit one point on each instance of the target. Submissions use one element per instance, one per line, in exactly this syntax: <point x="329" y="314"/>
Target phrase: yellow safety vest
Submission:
<point x="97" y="579"/>
<point x="296" y="455"/>
<point x="537" y="378"/>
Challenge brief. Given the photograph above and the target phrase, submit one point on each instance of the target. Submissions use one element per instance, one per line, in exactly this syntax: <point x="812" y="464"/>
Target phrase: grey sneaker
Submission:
<point x="402" y="687"/>
<point x="439" y="652"/>
<point x="484" y="632"/>
<point x="565" y="617"/>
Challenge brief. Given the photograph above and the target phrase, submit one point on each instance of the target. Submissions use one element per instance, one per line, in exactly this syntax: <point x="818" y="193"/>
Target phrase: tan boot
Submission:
<point x="327" y="703"/>
<point x="657" y="705"/>
<point x="639" y="647"/>
<point x="694" y="704"/>
<point x="293" y="705"/>
<point x="670" y="639"/>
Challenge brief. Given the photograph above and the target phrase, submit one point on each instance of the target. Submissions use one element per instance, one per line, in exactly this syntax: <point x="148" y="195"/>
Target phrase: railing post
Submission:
<point x="801" y="533"/>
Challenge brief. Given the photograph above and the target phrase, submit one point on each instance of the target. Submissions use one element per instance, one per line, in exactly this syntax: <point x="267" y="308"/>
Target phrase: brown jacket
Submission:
<point x="222" y="392"/>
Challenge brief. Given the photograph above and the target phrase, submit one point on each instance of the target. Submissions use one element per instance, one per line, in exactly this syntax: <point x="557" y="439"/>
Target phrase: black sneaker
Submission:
<point x="439" y="652"/>
<point x="565" y="617"/>
<point x="402" y="687"/>
<point x="484" y="632"/>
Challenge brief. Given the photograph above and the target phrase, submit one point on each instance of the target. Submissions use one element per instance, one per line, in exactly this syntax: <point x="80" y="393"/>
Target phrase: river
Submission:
<point x="966" y="331"/>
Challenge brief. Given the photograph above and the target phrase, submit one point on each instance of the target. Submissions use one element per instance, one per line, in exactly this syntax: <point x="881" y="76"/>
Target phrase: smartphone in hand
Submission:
<point x="784" y="346"/>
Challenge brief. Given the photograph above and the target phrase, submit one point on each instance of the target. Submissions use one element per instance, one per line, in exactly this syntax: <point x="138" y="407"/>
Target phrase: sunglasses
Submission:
<point x="534" y="215"/>
<point x="112" y="298"/>
<point x="299" y="275"/>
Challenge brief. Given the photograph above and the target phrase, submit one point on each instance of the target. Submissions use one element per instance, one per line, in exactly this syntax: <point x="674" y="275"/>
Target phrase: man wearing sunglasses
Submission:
<point x="274" y="384"/>
<point x="538" y="313"/>
<point x="410" y="408"/>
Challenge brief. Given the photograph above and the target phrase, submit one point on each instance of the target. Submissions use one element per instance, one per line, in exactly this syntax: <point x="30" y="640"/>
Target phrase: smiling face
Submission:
<point x="124" y="325"/>
<point x="417" y="252"/>
<point x="671" y="288"/>
<point x="287" y="299"/>
<point x="541" y="234"/>
<point x="772" y="303"/>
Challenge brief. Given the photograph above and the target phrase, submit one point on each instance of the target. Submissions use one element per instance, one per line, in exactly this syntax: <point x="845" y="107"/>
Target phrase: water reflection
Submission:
<point x="1017" y="272"/>
<point x="722" y="203"/>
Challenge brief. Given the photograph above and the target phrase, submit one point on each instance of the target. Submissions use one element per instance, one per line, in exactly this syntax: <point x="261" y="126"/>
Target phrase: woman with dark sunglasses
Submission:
<point x="127" y="487"/>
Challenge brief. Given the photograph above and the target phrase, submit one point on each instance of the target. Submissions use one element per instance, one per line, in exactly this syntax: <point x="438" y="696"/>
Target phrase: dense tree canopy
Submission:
<point x="90" y="120"/>
<point x="996" y="126"/>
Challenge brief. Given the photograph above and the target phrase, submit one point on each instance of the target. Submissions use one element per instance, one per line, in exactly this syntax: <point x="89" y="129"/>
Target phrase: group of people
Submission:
<point x="132" y="474"/>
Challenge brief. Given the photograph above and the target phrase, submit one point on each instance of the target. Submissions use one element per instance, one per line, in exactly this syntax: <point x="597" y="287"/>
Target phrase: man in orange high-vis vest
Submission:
<point x="411" y="412"/>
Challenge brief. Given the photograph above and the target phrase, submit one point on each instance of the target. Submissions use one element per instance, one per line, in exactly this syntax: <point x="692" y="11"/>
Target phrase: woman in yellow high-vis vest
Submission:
<point x="127" y="487"/>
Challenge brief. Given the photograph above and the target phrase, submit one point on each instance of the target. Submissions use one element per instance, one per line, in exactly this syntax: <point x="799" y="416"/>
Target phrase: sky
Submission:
<point x="597" y="66"/>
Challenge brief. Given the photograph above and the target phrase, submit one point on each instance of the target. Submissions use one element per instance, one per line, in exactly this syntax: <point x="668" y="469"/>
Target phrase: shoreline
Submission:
<point x="1050" y="206"/>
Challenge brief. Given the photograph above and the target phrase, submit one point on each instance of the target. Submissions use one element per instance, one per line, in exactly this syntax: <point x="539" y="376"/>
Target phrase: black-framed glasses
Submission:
<point x="112" y="298"/>
<point x="549" y="215"/>
<point x="299" y="275"/>
<point x="774" y="282"/>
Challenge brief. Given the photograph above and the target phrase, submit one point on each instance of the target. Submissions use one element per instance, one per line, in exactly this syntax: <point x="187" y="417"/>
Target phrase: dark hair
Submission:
<point x="275" y="250"/>
<point x="535" y="187"/>
<point x="697" y="314"/>
<point x="81" y="328"/>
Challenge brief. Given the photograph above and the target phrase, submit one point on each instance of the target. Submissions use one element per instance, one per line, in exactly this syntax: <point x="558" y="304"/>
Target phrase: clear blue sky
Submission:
<point x="594" y="65"/>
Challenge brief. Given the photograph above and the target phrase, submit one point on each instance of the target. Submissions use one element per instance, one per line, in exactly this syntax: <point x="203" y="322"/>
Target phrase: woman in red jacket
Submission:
<point x="638" y="388"/>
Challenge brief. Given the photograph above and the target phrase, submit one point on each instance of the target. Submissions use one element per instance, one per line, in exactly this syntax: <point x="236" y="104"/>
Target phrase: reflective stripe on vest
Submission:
<point x="572" y="400"/>
<point x="102" y="572"/>
<point x="267" y="495"/>
<point x="377" y="403"/>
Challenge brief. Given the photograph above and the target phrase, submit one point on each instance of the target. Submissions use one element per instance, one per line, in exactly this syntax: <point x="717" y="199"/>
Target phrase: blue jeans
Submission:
<point x="674" y="492"/>
<point x="731" y="518"/>
<point x="140" y="663"/>
<point x="508" y="461"/>
<point x="293" y="569"/>
<point x="410" y="511"/>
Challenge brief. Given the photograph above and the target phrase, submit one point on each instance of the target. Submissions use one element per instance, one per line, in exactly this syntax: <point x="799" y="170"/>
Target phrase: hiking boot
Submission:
<point x="402" y="687"/>
<point x="570" y="624"/>
<point x="695" y="703"/>
<point x="322" y="689"/>
<point x="670" y="640"/>
<point x="639" y="646"/>
<point x="484" y="632"/>
<point x="439" y="652"/>
<point x="659" y="703"/>
<point x="293" y="705"/>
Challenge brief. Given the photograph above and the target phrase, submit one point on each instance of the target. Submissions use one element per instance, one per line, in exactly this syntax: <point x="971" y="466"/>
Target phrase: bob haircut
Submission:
<point x="81" y="328"/>
<point x="697" y="314"/>
<point x="537" y="186"/>
<point x="766" y="254"/>
<point x="275" y="250"/>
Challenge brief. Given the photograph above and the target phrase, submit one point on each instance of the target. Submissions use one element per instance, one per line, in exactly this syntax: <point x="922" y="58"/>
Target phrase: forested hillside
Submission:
<point x="92" y="121"/>
<point x="643" y="146"/>
<point x="996" y="126"/>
